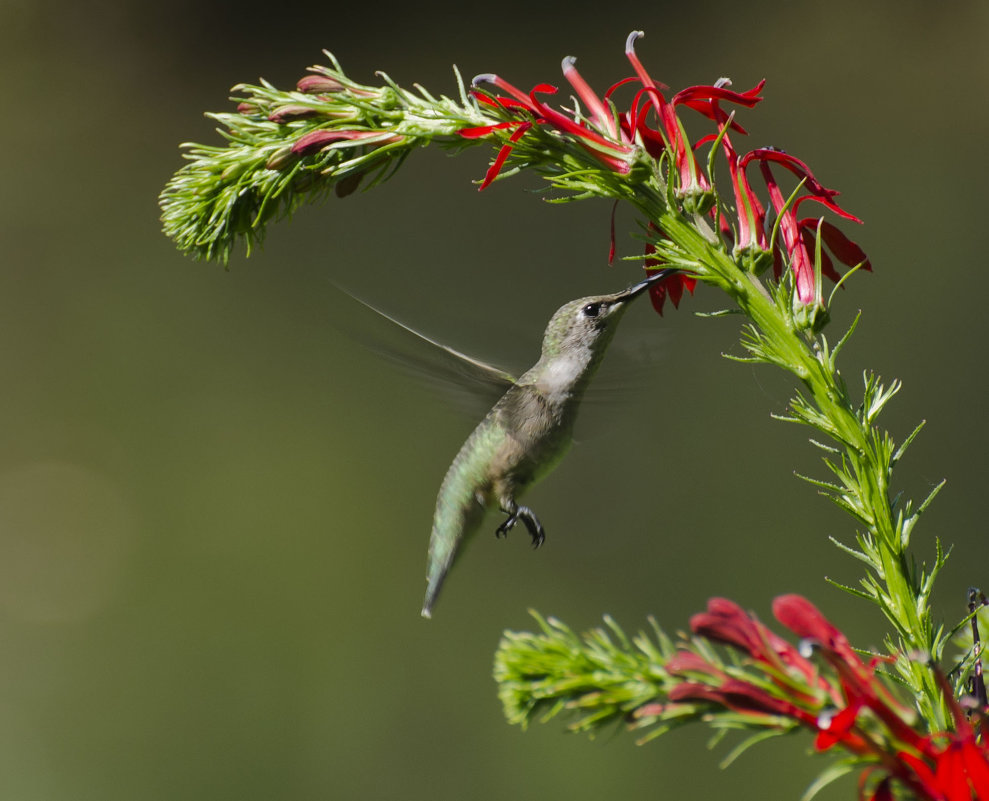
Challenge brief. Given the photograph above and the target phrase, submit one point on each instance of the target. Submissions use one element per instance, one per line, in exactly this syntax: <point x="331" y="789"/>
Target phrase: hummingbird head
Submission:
<point x="587" y="324"/>
<point x="578" y="335"/>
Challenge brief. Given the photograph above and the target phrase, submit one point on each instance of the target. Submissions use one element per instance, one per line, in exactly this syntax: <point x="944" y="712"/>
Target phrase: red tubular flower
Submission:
<point x="961" y="762"/>
<point x="961" y="771"/>
<point x="506" y="150"/>
<point x="614" y="139"/>
<point x="693" y="184"/>
<point x="750" y="240"/>
<point x="686" y="662"/>
<point x="751" y="214"/>
<point x="805" y="620"/>
<point x="837" y="729"/>
<point x="799" y="236"/>
<point x="650" y="127"/>
<point x="599" y="113"/>
<point x="953" y="766"/>
<point x="726" y="622"/>
<point x="943" y="766"/>
<point x="858" y="680"/>
<point x="672" y="286"/>
<point x="610" y="150"/>
<point x="739" y="696"/>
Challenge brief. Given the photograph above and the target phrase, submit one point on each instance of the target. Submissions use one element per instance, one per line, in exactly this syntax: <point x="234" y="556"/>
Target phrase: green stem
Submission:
<point x="800" y="353"/>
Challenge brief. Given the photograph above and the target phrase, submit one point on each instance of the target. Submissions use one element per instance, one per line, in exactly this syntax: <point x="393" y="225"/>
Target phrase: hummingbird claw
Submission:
<point x="527" y="516"/>
<point x="508" y="525"/>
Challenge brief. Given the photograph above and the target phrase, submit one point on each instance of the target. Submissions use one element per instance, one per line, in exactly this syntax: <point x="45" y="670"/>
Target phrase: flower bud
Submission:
<point x="754" y="259"/>
<point x="698" y="200"/>
<point x="318" y="84"/>
<point x="810" y="317"/>
<point x="291" y="112"/>
<point x="279" y="158"/>
<point x="233" y="171"/>
<point x="348" y="184"/>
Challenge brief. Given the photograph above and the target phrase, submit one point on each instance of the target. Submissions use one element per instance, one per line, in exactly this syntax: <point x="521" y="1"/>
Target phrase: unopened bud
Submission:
<point x="811" y="317"/>
<point x="348" y="185"/>
<point x="698" y="200"/>
<point x="754" y="259"/>
<point x="318" y="84"/>
<point x="233" y="171"/>
<point x="279" y="158"/>
<point x="315" y="141"/>
<point x="286" y="113"/>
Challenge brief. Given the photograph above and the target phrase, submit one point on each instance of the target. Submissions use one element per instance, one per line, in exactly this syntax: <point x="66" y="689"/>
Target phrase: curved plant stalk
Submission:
<point x="738" y="230"/>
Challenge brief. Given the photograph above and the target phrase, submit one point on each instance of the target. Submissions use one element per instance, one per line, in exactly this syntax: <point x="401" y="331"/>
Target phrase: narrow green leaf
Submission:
<point x="830" y="774"/>
<point x="748" y="742"/>
<point x="841" y="342"/>
<point x="850" y="590"/>
<point x="906" y="443"/>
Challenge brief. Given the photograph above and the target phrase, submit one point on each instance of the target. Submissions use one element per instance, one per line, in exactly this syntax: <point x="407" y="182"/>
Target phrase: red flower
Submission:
<point x="944" y="766"/>
<point x="837" y="729"/>
<point x="613" y="138"/>
<point x="858" y="680"/>
<point x="694" y="185"/>
<point x="805" y="620"/>
<point x="961" y="771"/>
<point x="799" y="236"/>
<point x="683" y="663"/>
<point x="672" y="286"/>
<point x="616" y="155"/>
<point x="751" y="239"/>
<point x="739" y="696"/>
<point x="650" y="128"/>
<point x="726" y="622"/>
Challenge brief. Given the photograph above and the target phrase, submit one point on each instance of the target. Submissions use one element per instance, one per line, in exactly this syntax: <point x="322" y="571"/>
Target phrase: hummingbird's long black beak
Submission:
<point x="642" y="286"/>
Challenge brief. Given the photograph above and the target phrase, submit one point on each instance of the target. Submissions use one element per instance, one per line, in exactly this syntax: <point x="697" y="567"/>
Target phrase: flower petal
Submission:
<point x="503" y="155"/>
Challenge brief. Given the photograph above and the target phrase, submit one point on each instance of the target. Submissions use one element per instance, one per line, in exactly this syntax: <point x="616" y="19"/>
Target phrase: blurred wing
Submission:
<point x="474" y="382"/>
<point x="631" y="367"/>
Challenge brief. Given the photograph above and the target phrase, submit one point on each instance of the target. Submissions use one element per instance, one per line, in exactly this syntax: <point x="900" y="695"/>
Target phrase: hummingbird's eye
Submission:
<point x="591" y="309"/>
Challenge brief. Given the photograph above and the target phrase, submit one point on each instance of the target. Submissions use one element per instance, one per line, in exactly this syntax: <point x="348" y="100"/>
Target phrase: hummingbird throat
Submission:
<point x="561" y="375"/>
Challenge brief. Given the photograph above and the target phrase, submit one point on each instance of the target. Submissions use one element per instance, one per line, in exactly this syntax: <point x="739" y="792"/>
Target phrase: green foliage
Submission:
<point x="285" y="148"/>
<point x="266" y="169"/>
<point x="601" y="676"/>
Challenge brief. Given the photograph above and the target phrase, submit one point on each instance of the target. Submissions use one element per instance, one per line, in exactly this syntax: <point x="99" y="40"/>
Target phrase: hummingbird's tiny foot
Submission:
<point x="508" y="525"/>
<point x="527" y="516"/>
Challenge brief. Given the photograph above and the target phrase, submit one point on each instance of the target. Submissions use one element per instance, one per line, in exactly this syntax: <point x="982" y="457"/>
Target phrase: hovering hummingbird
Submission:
<point x="528" y="431"/>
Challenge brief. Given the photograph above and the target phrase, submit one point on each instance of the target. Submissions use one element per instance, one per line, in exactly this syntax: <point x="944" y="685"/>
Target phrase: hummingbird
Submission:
<point x="527" y="433"/>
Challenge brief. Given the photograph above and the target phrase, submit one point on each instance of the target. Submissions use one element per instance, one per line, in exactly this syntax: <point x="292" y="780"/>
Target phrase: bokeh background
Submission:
<point x="214" y="502"/>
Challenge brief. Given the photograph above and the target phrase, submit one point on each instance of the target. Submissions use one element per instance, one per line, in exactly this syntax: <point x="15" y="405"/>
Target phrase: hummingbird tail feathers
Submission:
<point x="441" y="556"/>
<point x="449" y="531"/>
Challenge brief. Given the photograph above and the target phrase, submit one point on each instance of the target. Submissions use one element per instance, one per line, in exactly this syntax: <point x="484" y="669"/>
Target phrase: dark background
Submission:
<point x="214" y="505"/>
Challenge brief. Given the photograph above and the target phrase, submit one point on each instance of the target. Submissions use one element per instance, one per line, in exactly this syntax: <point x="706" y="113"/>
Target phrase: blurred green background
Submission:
<point x="214" y="505"/>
